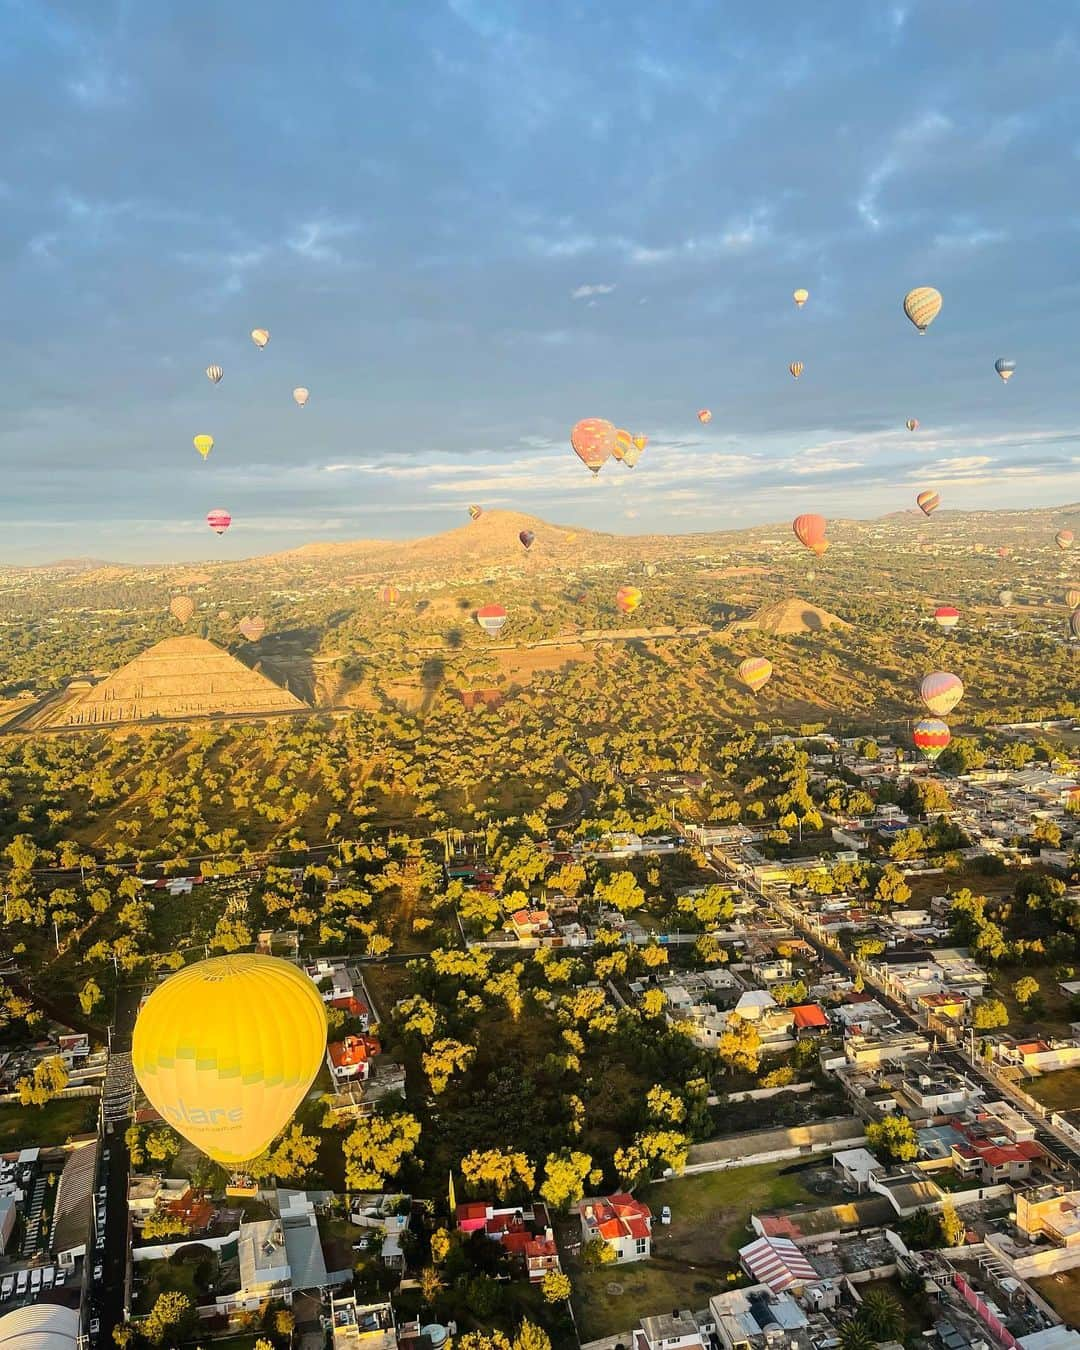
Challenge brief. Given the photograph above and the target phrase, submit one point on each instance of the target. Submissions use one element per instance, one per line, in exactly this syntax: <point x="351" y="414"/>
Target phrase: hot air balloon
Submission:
<point x="627" y="598"/>
<point x="226" y="1050"/>
<point x="214" y="374"/>
<point x="1005" y="598"/>
<point x="491" y="619"/>
<point x="1074" y="623"/>
<point x="945" y="616"/>
<point x="811" y="575"/>
<point x="1005" y="368"/>
<point x="796" y="369"/>
<point x="623" y="442"/>
<point x="218" y="519"/>
<point x="389" y="595"/>
<point x="979" y="548"/>
<point x="755" y="672"/>
<point x="527" y="537"/>
<point x="260" y="337"/>
<point x="1064" y="539"/>
<point x="650" y="569"/>
<point x="632" y="453"/>
<point x="1072" y="599"/>
<point x="1004" y="551"/>
<point x="941" y="692"/>
<point x="809" y="530"/>
<point x="922" y="306"/>
<point x="931" y="736"/>
<point x="252" y="629"/>
<point x="300" y="396"/>
<point x="475" y="512"/>
<point x="204" y="444"/>
<point x="593" y="440"/>
<point x="704" y="416"/>
<point x="640" y="442"/>
<point x="800" y="297"/>
<point x="928" y="502"/>
<point x="820" y="548"/>
<point x="182" y="607"/>
<point x="912" y="424"/>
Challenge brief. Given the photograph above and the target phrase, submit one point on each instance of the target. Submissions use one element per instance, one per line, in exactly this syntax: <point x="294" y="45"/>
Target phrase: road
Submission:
<point x="106" y="1296"/>
<point x="1060" y="1148"/>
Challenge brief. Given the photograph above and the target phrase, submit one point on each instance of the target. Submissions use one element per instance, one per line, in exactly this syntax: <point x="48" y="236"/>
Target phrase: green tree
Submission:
<point x="953" y="1228"/>
<point x="49" y="1080"/>
<point x="894" y="1137"/>
<point x="171" y="1313"/>
<point x="565" y="1175"/>
<point x="1025" y="989"/>
<point x="739" y="1046"/>
<point x="556" y="1287"/>
<point x="988" y="1013"/>
<point x="882" y="1315"/>
<point x="376" y="1150"/>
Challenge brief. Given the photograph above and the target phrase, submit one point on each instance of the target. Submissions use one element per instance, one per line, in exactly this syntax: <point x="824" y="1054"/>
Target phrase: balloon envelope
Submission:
<point x="755" y="672"/>
<point x="641" y="442"/>
<point x="475" y="512"/>
<point x="527" y="537"/>
<point x="704" y="416"/>
<point x="912" y="424"/>
<point x="260" y="337"/>
<point x="941" y="692"/>
<point x="214" y="374"/>
<point x="1072" y="599"/>
<point x="389" y="595"/>
<point x="1074" y="623"/>
<point x="1005" y="368"/>
<point x="182" y="607"/>
<point x="928" y="502"/>
<point x="204" y="444"/>
<point x="491" y="618"/>
<point x="226" y="1050"/>
<point x="252" y="629"/>
<point x="945" y="616"/>
<point x="218" y="519"/>
<point x="593" y="441"/>
<point x="931" y="736"/>
<point x="796" y="369"/>
<point x="800" y="297"/>
<point x="623" y="442"/>
<point x="627" y="598"/>
<point x="922" y="306"/>
<point x="1005" y="598"/>
<point x="300" y="396"/>
<point x="809" y="530"/>
<point x="1064" y="539"/>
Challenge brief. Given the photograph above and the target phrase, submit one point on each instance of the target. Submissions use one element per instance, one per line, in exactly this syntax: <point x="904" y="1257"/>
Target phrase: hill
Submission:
<point x="785" y="617"/>
<point x="178" y="677"/>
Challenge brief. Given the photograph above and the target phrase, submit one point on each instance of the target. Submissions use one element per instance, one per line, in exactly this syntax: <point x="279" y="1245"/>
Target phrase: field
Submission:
<point x="1062" y="1292"/>
<point x="613" y="1299"/>
<point x="1060" y="1091"/>
<point x="48" y="1126"/>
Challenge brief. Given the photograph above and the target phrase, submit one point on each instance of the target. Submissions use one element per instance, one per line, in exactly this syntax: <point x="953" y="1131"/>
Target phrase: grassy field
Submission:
<point x="1062" y="1292"/>
<point x="644" y="1289"/>
<point x="1060" y="1090"/>
<point x="48" y="1125"/>
<point x="710" y="1212"/>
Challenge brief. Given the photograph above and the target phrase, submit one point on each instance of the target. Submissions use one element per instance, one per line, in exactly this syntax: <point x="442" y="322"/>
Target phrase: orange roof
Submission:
<point x="809" y="1015"/>
<point x="353" y="1050"/>
<point x="530" y="916"/>
<point x="618" y="1216"/>
<point x="1032" y="1047"/>
<point x="942" y="1000"/>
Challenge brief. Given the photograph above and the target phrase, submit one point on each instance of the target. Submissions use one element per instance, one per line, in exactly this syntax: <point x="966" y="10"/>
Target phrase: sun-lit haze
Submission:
<point x="467" y="224"/>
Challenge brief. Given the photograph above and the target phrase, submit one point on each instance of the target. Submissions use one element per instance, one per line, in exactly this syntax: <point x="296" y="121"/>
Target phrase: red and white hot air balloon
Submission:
<point x="945" y="616"/>
<point x="704" y="416"/>
<point x="218" y="519"/>
<point x="491" y="619"/>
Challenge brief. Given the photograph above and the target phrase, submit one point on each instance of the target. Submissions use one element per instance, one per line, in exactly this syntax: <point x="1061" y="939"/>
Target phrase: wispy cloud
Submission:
<point x="595" y="288"/>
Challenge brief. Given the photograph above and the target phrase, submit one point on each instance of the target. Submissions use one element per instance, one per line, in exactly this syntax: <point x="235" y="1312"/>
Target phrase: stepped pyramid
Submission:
<point x="785" y="617"/>
<point x="179" y="677"/>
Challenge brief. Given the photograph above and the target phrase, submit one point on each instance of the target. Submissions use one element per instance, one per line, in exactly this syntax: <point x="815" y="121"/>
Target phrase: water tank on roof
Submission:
<point x="435" y="1333"/>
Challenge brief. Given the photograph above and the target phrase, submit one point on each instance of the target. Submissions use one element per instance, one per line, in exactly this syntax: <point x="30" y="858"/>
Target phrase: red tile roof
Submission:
<point x="353" y="1050"/>
<point x="618" y="1216"/>
<point x="808" y="1015"/>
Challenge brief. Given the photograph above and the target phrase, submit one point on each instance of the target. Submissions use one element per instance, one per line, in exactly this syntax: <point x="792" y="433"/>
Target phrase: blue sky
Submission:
<point x="468" y="223"/>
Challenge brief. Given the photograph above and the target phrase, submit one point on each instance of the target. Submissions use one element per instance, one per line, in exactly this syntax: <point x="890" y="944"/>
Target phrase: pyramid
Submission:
<point x="785" y="617"/>
<point x="179" y="677"/>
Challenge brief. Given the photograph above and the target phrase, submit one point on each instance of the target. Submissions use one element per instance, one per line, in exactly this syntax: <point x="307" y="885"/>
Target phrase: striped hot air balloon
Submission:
<point x="252" y="629"/>
<point x="755" y="672"/>
<point x="1064" y="539"/>
<point x="796" y="369"/>
<point x="491" y="619"/>
<point x="641" y="442"/>
<point x="389" y="595"/>
<point x="922" y="306"/>
<point x="704" y="416"/>
<point x="593" y="441"/>
<point x="623" y="442"/>
<point x="214" y="374"/>
<point x="218" y="519"/>
<point x="475" y="512"/>
<point x="800" y="297"/>
<point x="941" y="692"/>
<point x="1072" y="599"/>
<point x="260" y="337"/>
<point x="627" y="598"/>
<point x="182" y="608"/>
<point x="809" y="530"/>
<point x="945" y="616"/>
<point x="912" y="424"/>
<point x="1074" y="623"/>
<point x="931" y="736"/>
<point x="928" y="502"/>
<point x="1005" y="368"/>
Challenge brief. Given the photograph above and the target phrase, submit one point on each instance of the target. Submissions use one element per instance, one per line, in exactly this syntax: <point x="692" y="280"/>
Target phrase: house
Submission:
<point x="525" y="1233"/>
<point x="867" y="1050"/>
<point x="991" y="1156"/>
<point x="1050" y="1211"/>
<point x="264" y="1268"/>
<point x="777" y="1263"/>
<point x="753" y="1318"/>
<point x="8" y="1212"/>
<point x="621" y="1222"/>
<point x="857" y="1167"/>
<point x="754" y="1004"/>
<point x="370" y="1327"/>
<point x="948" y="1004"/>
<point x="352" y="1057"/>
<point x="74" y="1201"/>
<point x="927" y="1090"/>
<point x="527" y="923"/>
<point x="677" y="1330"/>
<point x="809" y="1019"/>
<point x="1041" y="1055"/>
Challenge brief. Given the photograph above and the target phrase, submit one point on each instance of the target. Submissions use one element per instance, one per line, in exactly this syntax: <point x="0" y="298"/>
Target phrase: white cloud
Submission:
<point x="315" y="239"/>
<point x="908" y="144"/>
<point x="595" y="288"/>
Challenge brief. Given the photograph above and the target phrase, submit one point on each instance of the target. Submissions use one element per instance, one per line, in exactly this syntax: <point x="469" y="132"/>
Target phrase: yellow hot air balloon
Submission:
<point x="800" y="297"/>
<point x="922" y="306"/>
<point x="182" y="608"/>
<point x="226" y="1050"/>
<point x="300" y="396"/>
<point x="796" y="369"/>
<point x="260" y="337"/>
<point x="204" y="444"/>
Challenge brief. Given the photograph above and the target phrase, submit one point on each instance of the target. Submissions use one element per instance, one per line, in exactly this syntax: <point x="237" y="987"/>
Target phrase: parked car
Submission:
<point x="95" y="1325"/>
<point x="665" y="1214"/>
<point x="98" y="1270"/>
<point x="8" y="1287"/>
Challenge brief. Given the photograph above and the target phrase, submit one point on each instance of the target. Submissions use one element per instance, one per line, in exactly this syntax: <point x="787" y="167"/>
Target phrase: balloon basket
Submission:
<point x="242" y="1187"/>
